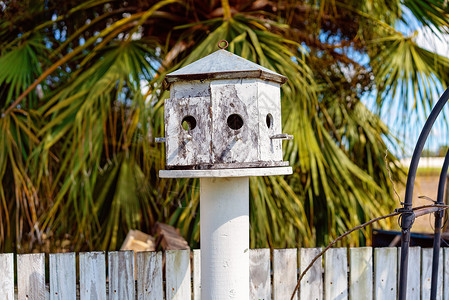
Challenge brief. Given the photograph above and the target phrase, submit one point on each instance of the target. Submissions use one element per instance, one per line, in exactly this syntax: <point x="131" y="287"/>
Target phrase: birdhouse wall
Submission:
<point x="194" y="88"/>
<point x="269" y="108"/>
<point x="191" y="145"/>
<point x="235" y="120"/>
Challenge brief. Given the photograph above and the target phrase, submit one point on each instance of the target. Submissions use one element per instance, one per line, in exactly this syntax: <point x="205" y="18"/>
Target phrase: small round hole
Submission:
<point x="269" y="120"/>
<point x="235" y="121"/>
<point x="188" y="123"/>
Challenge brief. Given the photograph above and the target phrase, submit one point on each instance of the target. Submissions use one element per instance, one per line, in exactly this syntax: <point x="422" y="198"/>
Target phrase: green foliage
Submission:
<point x="81" y="97"/>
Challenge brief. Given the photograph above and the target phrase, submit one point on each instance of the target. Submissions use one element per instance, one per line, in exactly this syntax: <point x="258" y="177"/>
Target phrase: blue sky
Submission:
<point x="408" y="131"/>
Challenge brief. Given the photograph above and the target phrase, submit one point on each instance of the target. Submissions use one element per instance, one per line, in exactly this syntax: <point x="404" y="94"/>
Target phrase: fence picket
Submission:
<point x="92" y="266"/>
<point x="121" y="275"/>
<point x="196" y="274"/>
<point x="259" y="274"/>
<point x="336" y="274"/>
<point x="149" y="276"/>
<point x="445" y="270"/>
<point x="62" y="276"/>
<point x="385" y="273"/>
<point x="31" y="276"/>
<point x="7" y="276"/>
<point x="338" y="283"/>
<point x="426" y="271"/>
<point x="312" y="283"/>
<point x="361" y="273"/>
<point x="414" y="273"/>
<point x="177" y="270"/>
<point x="284" y="273"/>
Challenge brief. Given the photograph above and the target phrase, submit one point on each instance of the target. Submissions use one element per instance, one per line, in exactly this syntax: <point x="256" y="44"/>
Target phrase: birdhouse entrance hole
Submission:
<point x="269" y="121"/>
<point x="235" y="121"/>
<point x="188" y="123"/>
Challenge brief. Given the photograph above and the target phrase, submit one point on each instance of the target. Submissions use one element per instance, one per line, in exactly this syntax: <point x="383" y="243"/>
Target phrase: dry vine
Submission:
<point x="441" y="207"/>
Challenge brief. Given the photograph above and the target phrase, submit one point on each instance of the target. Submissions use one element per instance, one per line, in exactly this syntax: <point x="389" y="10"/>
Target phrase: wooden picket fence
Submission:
<point x="355" y="273"/>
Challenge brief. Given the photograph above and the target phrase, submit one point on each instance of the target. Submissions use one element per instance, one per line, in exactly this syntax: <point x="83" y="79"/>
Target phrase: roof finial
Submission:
<point x="225" y="46"/>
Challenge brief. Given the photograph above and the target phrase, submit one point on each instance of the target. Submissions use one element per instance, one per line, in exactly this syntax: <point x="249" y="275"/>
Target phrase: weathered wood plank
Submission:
<point x="149" y="276"/>
<point x="177" y="274"/>
<point x="446" y="269"/>
<point x="7" y="276"/>
<point x="121" y="275"/>
<point x="336" y="274"/>
<point x="259" y="274"/>
<point x="196" y="274"/>
<point x="92" y="266"/>
<point x="385" y="273"/>
<point x="312" y="283"/>
<point x="62" y="276"/>
<point x="169" y="237"/>
<point x="426" y="271"/>
<point x="361" y="273"/>
<point x="31" y="276"/>
<point x="414" y="272"/>
<point x="284" y="273"/>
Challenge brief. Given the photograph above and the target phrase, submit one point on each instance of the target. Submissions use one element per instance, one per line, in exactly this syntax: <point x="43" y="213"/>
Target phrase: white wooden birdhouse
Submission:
<point x="224" y="112"/>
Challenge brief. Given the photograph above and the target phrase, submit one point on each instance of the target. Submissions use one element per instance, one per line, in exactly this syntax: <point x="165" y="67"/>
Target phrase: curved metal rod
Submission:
<point x="437" y="236"/>
<point x="408" y="215"/>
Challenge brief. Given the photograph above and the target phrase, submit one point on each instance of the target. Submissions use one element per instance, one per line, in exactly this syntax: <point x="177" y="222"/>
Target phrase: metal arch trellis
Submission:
<point x="407" y="212"/>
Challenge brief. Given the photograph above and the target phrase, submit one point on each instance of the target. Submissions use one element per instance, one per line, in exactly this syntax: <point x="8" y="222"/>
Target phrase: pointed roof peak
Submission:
<point x="223" y="64"/>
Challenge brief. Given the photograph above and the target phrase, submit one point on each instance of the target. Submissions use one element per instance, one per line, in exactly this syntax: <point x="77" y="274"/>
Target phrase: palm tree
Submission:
<point x="81" y="99"/>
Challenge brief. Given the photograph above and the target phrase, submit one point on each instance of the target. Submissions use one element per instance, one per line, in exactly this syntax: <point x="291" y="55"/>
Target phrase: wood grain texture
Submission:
<point x="92" y="266"/>
<point x="193" y="146"/>
<point x="7" y="276"/>
<point x="230" y="97"/>
<point x="196" y="274"/>
<point x="336" y="274"/>
<point x="361" y="273"/>
<point x="31" y="276"/>
<point x="414" y="273"/>
<point x="426" y="271"/>
<point x="285" y="274"/>
<point x="62" y="276"/>
<point x="121" y="275"/>
<point x="311" y="286"/>
<point x="269" y="107"/>
<point x="259" y="274"/>
<point x="446" y="271"/>
<point x="149" y="276"/>
<point x="385" y="273"/>
<point x="177" y="275"/>
<point x="225" y="172"/>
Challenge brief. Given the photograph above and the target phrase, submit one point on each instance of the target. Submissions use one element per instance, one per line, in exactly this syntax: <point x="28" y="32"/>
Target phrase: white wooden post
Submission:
<point x="224" y="211"/>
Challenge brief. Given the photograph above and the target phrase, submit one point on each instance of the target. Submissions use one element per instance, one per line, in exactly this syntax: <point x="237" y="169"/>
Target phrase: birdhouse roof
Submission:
<point x="223" y="64"/>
